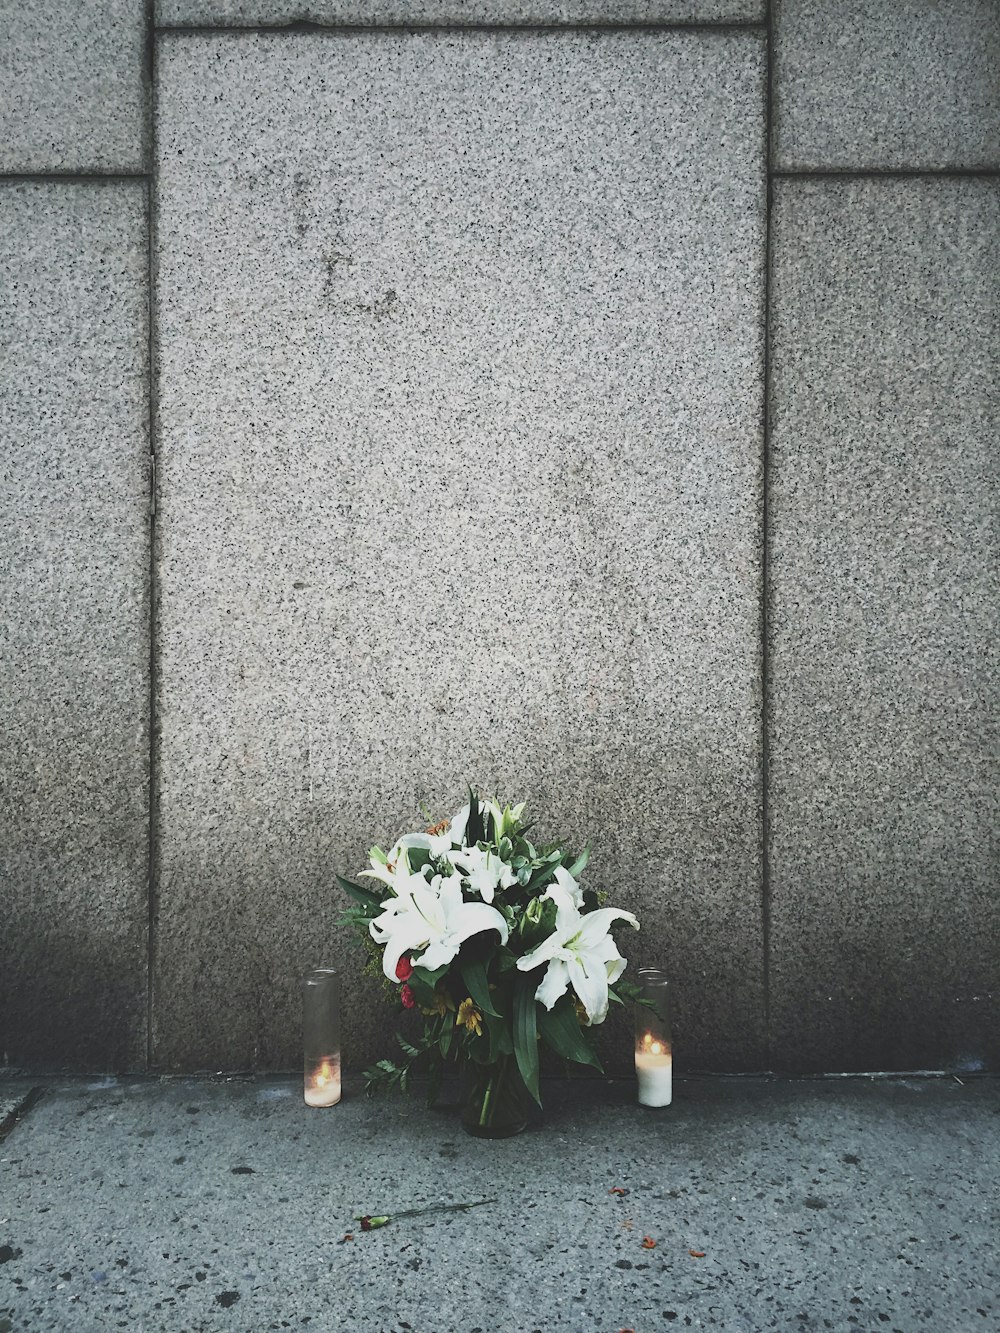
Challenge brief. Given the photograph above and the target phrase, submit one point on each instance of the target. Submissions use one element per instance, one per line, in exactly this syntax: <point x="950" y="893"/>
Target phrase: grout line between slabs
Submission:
<point x="884" y="173"/>
<point x="444" y="29"/>
<point x="71" y="177"/>
<point x="765" y="752"/>
<point x="152" y="897"/>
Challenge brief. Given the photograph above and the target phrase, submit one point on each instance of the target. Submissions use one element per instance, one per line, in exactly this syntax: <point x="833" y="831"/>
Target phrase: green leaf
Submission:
<point x="360" y="895"/>
<point x="561" y="1030"/>
<point x="580" y="864"/>
<point x="500" y="1038"/>
<point x="525" y="1034"/>
<point x="407" y="1048"/>
<point x="429" y="977"/>
<point x="474" y="976"/>
<point x="417" y="858"/>
<point x="474" y="831"/>
<point x="544" y="876"/>
<point x="447" y="1033"/>
<point x="506" y="960"/>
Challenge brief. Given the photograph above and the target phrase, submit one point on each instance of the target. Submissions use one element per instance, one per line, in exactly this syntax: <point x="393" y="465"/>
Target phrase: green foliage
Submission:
<point x="560" y="1028"/>
<point x="474" y="975"/>
<point x="525" y="1032"/>
<point x="366" y="899"/>
<point x="475" y="830"/>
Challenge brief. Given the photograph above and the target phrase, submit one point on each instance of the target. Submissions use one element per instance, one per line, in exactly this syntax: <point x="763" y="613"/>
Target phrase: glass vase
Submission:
<point x="321" y="1037"/>
<point x="495" y="1104"/>
<point x="654" y="1061"/>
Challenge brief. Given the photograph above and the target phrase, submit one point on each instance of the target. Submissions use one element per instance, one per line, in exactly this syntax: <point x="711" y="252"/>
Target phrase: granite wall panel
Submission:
<point x="460" y="413"/>
<point x="74" y="630"/>
<point x="862" y="84"/>
<point x="884" y="588"/>
<point x="72" y="85"/>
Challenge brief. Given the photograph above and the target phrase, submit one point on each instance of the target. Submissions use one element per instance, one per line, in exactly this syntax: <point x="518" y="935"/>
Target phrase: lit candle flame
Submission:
<point x="323" y="1075"/>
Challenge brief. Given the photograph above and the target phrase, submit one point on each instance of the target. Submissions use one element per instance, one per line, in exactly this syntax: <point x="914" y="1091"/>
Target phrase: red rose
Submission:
<point x="408" y="998"/>
<point x="404" y="970"/>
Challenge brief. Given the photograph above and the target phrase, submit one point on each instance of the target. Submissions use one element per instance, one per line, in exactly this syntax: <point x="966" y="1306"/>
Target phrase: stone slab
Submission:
<point x="911" y="84"/>
<point x="460" y="418"/>
<point x="74" y="643"/>
<point x="203" y="1206"/>
<point x="72" y="85"/>
<point x="884" y="587"/>
<point x="458" y="13"/>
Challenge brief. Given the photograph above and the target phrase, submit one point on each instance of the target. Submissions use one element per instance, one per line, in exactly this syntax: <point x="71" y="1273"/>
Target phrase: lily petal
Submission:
<point x="398" y="943"/>
<point x="597" y="924"/>
<point x="457" y="827"/>
<point x="590" y="981"/>
<point x="541" y="953"/>
<point x="569" y="886"/>
<point x="553" y="985"/>
<point x="477" y="917"/>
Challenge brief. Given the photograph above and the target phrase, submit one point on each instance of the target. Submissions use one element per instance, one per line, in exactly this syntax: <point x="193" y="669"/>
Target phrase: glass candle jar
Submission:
<point x="321" y="1037"/>
<point x="653" y="1046"/>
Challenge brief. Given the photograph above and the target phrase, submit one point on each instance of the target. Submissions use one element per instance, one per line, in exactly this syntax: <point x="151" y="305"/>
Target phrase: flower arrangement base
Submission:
<point x="495" y="1104"/>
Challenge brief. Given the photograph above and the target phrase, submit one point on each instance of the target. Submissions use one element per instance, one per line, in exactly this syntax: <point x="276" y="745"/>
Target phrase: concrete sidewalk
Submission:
<point x="845" y="1204"/>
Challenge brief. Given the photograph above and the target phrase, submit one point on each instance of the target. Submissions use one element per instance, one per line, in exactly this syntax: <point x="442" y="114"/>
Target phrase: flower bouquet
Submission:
<point x="496" y="944"/>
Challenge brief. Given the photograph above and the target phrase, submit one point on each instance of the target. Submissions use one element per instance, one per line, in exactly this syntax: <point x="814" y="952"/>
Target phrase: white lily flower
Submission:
<point x="566" y="882"/>
<point x="397" y="861"/>
<point x="484" y="871"/>
<point x="580" y="953"/>
<point x="457" y="827"/>
<point x="432" y="920"/>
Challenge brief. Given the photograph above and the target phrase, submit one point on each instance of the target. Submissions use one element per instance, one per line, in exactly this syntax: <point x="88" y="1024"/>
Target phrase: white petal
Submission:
<point x="473" y="918"/>
<point x="382" y="873"/>
<point x="566" y="882"/>
<point x="590" y="981"/>
<point x="553" y="985"/>
<point x="615" y="967"/>
<point x="568" y="918"/>
<point x="407" y="937"/>
<point x="457" y="827"/>
<point x="596" y="924"/>
<point x="426" y="908"/>
<point x="439" y="953"/>
<point x="449" y="887"/>
<point x="541" y="953"/>
<point x="427" y="842"/>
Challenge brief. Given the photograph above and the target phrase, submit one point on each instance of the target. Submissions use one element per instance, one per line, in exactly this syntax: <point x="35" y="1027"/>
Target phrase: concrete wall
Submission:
<point x="606" y="415"/>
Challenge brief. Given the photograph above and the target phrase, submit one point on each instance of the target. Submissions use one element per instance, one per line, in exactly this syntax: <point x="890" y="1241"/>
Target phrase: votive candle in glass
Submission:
<point x="653" y="1047"/>
<point x="321" y="1037"/>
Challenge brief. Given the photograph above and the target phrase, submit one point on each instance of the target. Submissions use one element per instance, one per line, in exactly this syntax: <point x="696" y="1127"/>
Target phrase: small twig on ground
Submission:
<point x="370" y="1223"/>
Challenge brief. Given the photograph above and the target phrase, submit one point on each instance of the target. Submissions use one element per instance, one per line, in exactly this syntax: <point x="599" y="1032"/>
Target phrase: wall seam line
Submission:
<point x="765" y="572"/>
<point x="71" y="177"/>
<point x="152" y="899"/>
<point x="885" y="173"/>
<point x="445" y="29"/>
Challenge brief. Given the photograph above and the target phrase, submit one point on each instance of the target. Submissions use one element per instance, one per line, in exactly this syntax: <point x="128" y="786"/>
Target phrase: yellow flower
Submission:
<point x="470" y="1017"/>
<point x="442" y="1004"/>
